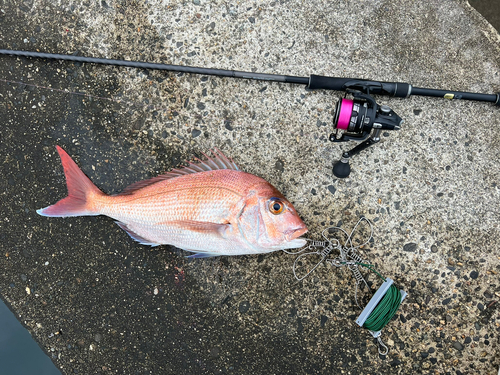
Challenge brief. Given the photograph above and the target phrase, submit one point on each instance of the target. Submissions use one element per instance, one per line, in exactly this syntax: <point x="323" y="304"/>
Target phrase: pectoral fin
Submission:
<point x="200" y="226"/>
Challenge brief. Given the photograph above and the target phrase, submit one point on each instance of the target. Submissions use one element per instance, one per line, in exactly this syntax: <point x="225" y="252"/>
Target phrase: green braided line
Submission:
<point x="386" y="308"/>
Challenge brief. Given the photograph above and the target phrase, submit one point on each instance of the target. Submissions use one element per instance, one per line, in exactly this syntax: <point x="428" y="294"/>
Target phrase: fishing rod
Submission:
<point x="359" y="119"/>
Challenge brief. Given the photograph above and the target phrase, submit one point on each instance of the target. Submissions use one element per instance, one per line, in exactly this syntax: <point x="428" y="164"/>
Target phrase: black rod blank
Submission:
<point x="158" y="66"/>
<point x="493" y="98"/>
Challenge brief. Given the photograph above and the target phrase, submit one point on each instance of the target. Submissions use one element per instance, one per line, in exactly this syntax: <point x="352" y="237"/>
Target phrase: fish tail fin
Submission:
<point x="81" y="192"/>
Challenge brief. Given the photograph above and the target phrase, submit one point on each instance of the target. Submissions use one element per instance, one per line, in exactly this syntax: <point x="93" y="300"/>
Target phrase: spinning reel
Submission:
<point x="360" y="119"/>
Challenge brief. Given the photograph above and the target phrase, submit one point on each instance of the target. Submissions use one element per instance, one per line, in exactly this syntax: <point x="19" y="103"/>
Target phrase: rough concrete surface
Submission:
<point x="99" y="303"/>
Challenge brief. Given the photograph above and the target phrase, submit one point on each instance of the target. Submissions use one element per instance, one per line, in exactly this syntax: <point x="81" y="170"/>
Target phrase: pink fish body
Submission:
<point x="210" y="208"/>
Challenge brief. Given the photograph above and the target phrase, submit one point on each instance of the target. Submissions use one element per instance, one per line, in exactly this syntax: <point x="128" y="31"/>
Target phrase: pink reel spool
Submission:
<point x="345" y="112"/>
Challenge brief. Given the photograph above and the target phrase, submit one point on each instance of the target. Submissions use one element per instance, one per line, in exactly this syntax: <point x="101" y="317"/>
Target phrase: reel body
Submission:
<point x="356" y="119"/>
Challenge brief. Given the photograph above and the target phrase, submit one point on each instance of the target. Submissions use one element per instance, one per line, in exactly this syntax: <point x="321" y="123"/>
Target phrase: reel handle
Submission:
<point x="342" y="169"/>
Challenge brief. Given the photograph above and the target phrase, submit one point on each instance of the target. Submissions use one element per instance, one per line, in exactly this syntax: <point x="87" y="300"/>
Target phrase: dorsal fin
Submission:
<point x="217" y="161"/>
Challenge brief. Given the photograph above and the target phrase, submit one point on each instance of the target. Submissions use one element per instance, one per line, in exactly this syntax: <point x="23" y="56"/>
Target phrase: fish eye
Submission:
<point x="276" y="206"/>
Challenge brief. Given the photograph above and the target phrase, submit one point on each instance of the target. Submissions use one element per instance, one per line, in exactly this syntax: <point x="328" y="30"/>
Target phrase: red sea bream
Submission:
<point x="209" y="207"/>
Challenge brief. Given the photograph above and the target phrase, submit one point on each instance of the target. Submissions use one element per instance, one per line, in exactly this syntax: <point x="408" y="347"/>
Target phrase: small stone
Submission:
<point x="98" y="337"/>
<point x="474" y="275"/>
<point x="395" y="362"/>
<point x="196" y="2"/>
<point x="424" y="354"/>
<point x="446" y="301"/>
<point x="195" y="133"/>
<point x="458" y="346"/>
<point x="24" y="277"/>
<point x="323" y="318"/>
<point x="410" y="247"/>
<point x="332" y="189"/>
<point x="279" y="166"/>
<point x="244" y="307"/>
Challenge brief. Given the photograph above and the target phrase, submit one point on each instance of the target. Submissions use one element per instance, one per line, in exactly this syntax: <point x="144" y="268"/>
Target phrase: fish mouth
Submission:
<point x="293" y="234"/>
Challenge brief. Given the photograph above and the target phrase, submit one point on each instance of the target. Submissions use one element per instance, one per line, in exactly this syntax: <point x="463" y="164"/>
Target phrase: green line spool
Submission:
<point x="381" y="308"/>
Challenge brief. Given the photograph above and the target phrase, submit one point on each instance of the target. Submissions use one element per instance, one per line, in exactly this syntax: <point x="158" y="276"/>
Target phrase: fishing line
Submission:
<point x="386" y="301"/>
<point x="384" y="311"/>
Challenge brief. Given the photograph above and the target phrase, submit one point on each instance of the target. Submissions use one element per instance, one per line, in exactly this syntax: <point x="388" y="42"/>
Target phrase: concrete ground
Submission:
<point x="99" y="303"/>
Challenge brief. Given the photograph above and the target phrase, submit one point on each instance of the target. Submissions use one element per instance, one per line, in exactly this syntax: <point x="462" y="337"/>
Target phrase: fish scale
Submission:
<point x="205" y="204"/>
